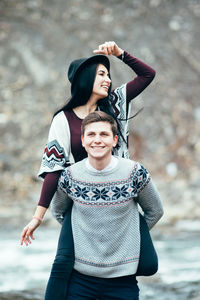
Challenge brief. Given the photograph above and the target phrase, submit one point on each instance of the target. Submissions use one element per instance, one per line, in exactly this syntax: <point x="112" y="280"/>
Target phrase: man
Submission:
<point x="106" y="191"/>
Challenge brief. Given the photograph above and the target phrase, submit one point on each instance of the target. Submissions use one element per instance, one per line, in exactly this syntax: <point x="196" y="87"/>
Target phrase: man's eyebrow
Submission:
<point x="89" y="131"/>
<point x="92" y="131"/>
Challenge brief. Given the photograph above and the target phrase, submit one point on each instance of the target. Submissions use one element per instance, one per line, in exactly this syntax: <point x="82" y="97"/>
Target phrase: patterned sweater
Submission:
<point x="105" y="217"/>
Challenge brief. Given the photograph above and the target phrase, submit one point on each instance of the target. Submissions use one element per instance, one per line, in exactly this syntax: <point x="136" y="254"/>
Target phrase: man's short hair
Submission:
<point x="99" y="116"/>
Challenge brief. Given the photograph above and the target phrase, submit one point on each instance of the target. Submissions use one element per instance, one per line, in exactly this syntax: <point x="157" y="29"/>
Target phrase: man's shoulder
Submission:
<point x="128" y="162"/>
<point x="131" y="165"/>
<point x="78" y="166"/>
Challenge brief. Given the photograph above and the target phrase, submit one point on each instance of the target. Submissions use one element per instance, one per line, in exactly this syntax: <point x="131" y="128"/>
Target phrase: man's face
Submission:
<point x="98" y="140"/>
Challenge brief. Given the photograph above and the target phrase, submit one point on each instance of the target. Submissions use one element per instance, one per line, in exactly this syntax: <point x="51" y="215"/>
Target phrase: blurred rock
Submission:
<point x="24" y="295"/>
<point x="41" y="37"/>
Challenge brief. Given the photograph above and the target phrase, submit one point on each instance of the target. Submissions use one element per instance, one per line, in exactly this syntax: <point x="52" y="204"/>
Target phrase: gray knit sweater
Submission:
<point x="105" y="218"/>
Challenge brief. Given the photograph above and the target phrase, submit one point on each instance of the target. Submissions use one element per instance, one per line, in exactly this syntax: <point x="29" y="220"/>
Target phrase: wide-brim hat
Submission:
<point x="77" y="65"/>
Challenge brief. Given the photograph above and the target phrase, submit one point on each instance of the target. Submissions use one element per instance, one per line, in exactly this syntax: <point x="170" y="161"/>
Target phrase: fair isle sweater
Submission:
<point x="105" y="217"/>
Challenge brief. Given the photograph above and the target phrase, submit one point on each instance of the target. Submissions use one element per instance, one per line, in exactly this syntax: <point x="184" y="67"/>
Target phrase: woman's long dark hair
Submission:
<point x="81" y="88"/>
<point x="81" y="91"/>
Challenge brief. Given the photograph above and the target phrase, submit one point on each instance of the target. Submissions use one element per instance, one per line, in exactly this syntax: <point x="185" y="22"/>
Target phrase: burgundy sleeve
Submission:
<point x="145" y="75"/>
<point x="49" y="188"/>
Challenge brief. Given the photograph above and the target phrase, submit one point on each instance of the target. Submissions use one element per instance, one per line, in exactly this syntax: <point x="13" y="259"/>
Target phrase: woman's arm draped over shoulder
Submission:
<point x="55" y="157"/>
<point x="145" y="75"/>
<point x="49" y="188"/>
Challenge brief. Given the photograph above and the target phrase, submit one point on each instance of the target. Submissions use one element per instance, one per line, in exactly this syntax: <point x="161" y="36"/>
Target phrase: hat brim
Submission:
<point x="99" y="58"/>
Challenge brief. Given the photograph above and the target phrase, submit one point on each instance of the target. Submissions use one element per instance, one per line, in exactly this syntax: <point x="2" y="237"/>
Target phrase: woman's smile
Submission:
<point x="102" y="82"/>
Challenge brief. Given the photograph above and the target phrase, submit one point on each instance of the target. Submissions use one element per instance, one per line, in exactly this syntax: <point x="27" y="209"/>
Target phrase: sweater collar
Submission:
<point x="113" y="163"/>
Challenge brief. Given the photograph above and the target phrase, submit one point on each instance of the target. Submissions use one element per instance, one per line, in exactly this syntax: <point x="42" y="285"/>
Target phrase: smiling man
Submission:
<point x="98" y="139"/>
<point x="106" y="191"/>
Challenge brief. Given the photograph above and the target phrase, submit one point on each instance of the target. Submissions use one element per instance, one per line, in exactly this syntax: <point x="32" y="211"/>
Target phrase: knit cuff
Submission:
<point x="121" y="56"/>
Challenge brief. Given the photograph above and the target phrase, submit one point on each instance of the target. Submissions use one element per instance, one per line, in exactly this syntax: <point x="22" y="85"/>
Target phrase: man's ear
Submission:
<point x="115" y="141"/>
<point x="82" y="140"/>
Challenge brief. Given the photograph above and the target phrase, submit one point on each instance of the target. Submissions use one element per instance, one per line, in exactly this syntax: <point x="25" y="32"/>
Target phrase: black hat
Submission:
<point x="77" y="65"/>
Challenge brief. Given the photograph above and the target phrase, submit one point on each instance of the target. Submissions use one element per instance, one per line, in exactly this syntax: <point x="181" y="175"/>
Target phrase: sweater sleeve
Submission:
<point x="150" y="202"/>
<point x="57" y="153"/>
<point x="145" y="75"/>
<point x="147" y="196"/>
<point x="61" y="202"/>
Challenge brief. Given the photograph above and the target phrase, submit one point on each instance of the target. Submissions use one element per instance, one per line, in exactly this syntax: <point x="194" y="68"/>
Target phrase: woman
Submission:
<point x="90" y="90"/>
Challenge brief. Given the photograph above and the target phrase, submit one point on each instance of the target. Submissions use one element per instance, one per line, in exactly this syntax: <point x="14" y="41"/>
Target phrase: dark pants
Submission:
<point x="63" y="264"/>
<point x="84" y="287"/>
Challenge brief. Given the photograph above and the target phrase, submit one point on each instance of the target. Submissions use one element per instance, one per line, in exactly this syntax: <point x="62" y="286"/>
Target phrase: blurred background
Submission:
<point x="39" y="38"/>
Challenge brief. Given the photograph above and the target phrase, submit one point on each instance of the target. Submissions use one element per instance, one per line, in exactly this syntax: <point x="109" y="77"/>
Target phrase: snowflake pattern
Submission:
<point x="120" y="192"/>
<point x="65" y="183"/>
<point x="140" y="177"/>
<point x="100" y="194"/>
<point x="105" y="193"/>
<point x="81" y="192"/>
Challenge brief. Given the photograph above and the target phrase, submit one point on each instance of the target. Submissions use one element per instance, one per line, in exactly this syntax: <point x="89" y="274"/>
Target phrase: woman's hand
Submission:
<point x="109" y="48"/>
<point x="32" y="225"/>
<point x="28" y="232"/>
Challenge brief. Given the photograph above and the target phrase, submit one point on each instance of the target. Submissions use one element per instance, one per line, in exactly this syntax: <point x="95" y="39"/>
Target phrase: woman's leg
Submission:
<point x="63" y="263"/>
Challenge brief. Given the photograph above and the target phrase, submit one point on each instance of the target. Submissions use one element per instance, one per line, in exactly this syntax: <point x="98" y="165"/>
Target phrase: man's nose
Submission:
<point x="97" y="138"/>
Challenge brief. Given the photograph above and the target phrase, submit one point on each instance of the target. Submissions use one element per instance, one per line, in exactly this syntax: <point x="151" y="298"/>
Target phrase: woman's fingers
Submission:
<point x="109" y="48"/>
<point x="23" y="235"/>
<point x="102" y="49"/>
<point x="28" y="232"/>
<point x="99" y="51"/>
<point x="31" y="235"/>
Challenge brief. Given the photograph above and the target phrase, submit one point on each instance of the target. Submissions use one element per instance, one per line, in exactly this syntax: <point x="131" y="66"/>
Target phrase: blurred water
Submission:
<point x="24" y="268"/>
<point x="28" y="268"/>
<point x="179" y="269"/>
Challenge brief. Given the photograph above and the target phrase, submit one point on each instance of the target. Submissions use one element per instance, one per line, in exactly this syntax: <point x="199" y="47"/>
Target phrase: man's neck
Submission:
<point x="99" y="164"/>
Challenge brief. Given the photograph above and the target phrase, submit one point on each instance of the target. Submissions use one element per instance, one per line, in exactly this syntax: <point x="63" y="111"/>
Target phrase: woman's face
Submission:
<point x="101" y="83"/>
